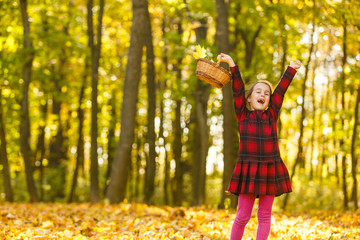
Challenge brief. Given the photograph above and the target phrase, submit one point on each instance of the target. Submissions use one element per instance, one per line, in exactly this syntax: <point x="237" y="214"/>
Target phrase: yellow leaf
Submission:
<point x="47" y="224"/>
<point x="67" y="233"/>
<point x="200" y="52"/>
<point x="196" y="55"/>
<point x="80" y="237"/>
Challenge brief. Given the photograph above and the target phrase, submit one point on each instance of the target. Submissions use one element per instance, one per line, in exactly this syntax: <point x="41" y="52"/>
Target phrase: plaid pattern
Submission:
<point x="259" y="169"/>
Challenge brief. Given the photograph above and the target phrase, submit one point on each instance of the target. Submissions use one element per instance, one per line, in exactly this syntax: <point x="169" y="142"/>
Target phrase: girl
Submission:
<point x="259" y="171"/>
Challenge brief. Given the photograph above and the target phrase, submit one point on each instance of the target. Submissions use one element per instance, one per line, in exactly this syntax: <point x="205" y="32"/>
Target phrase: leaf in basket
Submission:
<point x="200" y="52"/>
<point x="196" y="55"/>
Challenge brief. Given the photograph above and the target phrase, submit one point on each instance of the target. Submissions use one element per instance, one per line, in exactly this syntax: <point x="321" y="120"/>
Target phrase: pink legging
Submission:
<point x="245" y="206"/>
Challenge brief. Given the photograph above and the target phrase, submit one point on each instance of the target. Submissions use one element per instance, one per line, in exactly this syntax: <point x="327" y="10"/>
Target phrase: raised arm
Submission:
<point x="238" y="92"/>
<point x="237" y="85"/>
<point x="277" y="97"/>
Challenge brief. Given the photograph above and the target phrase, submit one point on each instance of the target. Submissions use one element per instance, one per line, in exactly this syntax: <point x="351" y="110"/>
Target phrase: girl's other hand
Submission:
<point x="295" y="65"/>
<point x="222" y="57"/>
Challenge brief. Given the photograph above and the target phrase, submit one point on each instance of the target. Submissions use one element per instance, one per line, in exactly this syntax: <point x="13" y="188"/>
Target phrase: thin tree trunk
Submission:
<point x="177" y="147"/>
<point x="199" y="167"/>
<point x="201" y="97"/>
<point x="9" y="197"/>
<point x="95" y="56"/>
<point x="166" y="160"/>
<point x="55" y="141"/>
<point x="25" y="126"/>
<point x="342" y="142"/>
<point x="312" y="141"/>
<point x="162" y="86"/>
<point x="230" y="139"/>
<point x="119" y="175"/>
<point x="57" y="147"/>
<point x="80" y="143"/>
<point x="250" y="42"/>
<point x="322" y="141"/>
<point x="151" y="91"/>
<point x="136" y="179"/>
<point x="335" y="141"/>
<point x="250" y="45"/>
<point x="177" y="183"/>
<point x="40" y="150"/>
<point x="200" y="144"/>
<point x="325" y="154"/>
<point x="354" y="162"/>
<point x="111" y="140"/>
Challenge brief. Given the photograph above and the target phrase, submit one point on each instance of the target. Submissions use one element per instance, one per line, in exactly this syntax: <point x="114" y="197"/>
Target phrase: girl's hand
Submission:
<point x="225" y="58"/>
<point x="295" y="65"/>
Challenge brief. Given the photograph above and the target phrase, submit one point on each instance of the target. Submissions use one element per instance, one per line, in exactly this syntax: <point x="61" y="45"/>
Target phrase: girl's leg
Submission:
<point x="264" y="217"/>
<point x="243" y="214"/>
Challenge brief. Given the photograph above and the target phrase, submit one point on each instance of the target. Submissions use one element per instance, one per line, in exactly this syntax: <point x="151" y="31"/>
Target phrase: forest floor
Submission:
<point x="139" y="221"/>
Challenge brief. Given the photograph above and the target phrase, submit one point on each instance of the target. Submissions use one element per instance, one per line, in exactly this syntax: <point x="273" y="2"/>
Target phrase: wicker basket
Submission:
<point x="212" y="73"/>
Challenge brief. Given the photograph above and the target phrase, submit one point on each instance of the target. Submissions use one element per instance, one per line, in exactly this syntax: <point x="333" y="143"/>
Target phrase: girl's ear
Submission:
<point x="248" y="99"/>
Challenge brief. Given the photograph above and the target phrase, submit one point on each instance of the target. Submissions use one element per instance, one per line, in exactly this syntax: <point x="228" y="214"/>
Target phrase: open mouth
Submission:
<point x="262" y="101"/>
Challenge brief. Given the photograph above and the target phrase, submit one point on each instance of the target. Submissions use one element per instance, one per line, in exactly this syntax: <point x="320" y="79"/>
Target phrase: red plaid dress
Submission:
<point x="259" y="169"/>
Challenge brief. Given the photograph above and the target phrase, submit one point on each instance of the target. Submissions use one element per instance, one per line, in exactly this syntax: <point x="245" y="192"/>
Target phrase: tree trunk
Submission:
<point x="57" y="149"/>
<point x="40" y="150"/>
<point x="95" y="56"/>
<point x="313" y="127"/>
<point x="354" y="161"/>
<point x="249" y="46"/>
<point x="119" y="174"/>
<point x="25" y="126"/>
<point x="56" y="142"/>
<point x="136" y="170"/>
<point x="151" y="90"/>
<point x="201" y="97"/>
<point x="199" y="165"/>
<point x="166" y="160"/>
<point x="162" y="86"/>
<point x="321" y="141"/>
<point x="9" y="197"/>
<point x="177" y="147"/>
<point x="200" y="146"/>
<point x="300" y="159"/>
<point x="80" y="142"/>
<point x="111" y="140"/>
<point x="250" y="42"/>
<point x="177" y="181"/>
<point x="222" y="41"/>
<point x="342" y="142"/>
<point x="335" y="141"/>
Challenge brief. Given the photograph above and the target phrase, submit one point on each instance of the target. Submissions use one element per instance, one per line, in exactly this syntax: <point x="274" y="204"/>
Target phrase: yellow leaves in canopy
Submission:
<point x="347" y="69"/>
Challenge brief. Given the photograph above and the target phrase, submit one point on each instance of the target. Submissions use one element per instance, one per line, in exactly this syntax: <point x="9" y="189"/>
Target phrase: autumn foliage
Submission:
<point x="139" y="221"/>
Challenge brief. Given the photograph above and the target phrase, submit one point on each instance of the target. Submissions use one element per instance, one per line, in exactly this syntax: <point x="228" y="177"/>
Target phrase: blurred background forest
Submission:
<point x="99" y="99"/>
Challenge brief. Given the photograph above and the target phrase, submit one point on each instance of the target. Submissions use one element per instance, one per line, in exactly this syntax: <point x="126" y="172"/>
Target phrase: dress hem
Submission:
<point x="257" y="195"/>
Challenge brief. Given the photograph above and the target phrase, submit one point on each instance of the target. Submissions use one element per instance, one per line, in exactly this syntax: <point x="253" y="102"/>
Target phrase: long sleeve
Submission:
<point x="238" y="92"/>
<point x="279" y="92"/>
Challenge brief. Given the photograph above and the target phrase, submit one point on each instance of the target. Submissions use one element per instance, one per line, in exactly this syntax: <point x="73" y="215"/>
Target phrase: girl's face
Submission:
<point x="259" y="99"/>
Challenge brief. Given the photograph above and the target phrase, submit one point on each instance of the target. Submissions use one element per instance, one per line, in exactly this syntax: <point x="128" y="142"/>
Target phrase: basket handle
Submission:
<point x="218" y="64"/>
